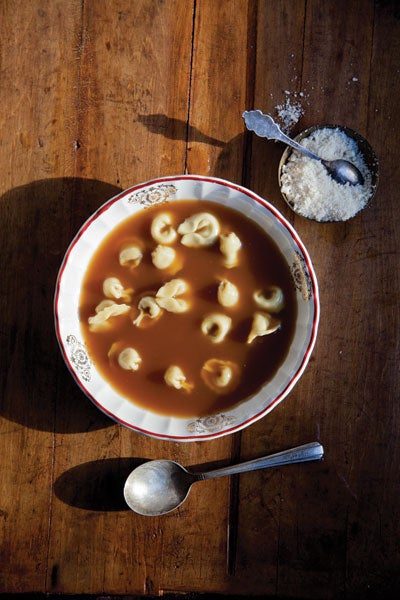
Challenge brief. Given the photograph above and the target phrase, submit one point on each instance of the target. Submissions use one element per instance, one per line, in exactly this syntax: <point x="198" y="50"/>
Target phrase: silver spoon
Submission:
<point x="263" y="125"/>
<point x="158" y="486"/>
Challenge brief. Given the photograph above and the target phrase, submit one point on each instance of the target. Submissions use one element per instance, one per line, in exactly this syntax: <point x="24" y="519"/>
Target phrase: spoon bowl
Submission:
<point x="159" y="486"/>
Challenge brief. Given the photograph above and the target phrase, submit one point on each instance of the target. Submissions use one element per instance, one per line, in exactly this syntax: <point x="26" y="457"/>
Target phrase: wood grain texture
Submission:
<point x="218" y="88"/>
<point x="36" y="146"/>
<point x="97" y="96"/>
<point x="347" y="394"/>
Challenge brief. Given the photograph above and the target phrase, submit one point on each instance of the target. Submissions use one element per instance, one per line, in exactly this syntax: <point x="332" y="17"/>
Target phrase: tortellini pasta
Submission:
<point x="130" y="256"/>
<point x="162" y="230"/>
<point x="163" y="256"/>
<point x="271" y="299"/>
<point x="228" y="293"/>
<point x="166" y="296"/>
<point x="174" y="377"/>
<point x="104" y="311"/>
<point x="263" y="324"/>
<point x="129" y="359"/>
<point x="148" y="307"/>
<point x="175" y="287"/>
<point x="103" y="304"/>
<point x="173" y="305"/>
<point x="216" y="326"/>
<point x="220" y="375"/>
<point x="201" y="229"/>
<point x="229" y="245"/>
<point x="113" y="288"/>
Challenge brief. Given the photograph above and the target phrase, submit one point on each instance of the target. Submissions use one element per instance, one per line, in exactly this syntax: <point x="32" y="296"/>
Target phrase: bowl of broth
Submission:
<point x="186" y="308"/>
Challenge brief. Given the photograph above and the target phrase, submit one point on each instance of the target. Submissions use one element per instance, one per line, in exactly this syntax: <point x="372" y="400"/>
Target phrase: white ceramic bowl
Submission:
<point x="75" y="263"/>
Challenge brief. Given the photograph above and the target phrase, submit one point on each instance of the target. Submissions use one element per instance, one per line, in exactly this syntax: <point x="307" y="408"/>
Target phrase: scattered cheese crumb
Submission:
<point x="291" y="110"/>
<point x="289" y="113"/>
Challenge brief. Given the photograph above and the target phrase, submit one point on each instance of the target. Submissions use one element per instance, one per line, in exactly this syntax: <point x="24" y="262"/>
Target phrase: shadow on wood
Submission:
<point x="39" y="221"/>
<point x="96" y="485"/>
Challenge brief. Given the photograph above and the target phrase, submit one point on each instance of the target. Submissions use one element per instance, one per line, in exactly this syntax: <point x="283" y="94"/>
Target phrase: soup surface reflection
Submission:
<point x="184" y="349"/>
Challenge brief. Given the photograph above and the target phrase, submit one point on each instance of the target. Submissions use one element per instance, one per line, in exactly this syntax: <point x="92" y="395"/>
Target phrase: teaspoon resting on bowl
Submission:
<point x="158" y="486"/>
<point x="263" y="125"/>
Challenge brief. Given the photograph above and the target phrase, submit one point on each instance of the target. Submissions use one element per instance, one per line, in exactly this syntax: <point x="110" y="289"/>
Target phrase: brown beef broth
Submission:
<point x="177" y="338"/>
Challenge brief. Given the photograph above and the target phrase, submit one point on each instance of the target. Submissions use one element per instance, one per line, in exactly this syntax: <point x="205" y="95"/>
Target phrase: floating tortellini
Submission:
<point x="129" y="359"/>
<point x="113" y="288"/>
<point x="263" y="324"/>
<point x="163" y="256"/>
<point x="131" y="256"/>
<point x="104" y="311"/>
<point x="229" y="245"/>
<point x="175" y="287"/>
<point x="166" y="296"/>
<point x="222" y="376"/>
<point x="175" y="377"/>
<point x="201" y="229"/>
<point x="162" y="230"/>
<point x="228" y="293"/>
<point x="103" y="304"/>
<point x="270" y="299"/>
<point x="149" y="308"/>
<point x="216" y="326"/>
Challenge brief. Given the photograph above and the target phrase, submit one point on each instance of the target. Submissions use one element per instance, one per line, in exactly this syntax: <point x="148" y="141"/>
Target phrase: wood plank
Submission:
<point x="279" y="43"/>
<point x="296" y="540"/>
<point x="219" y="88"/>
<point x="36" y="150"/>
<point x="134" y="67"/>
<point x="373" y="558"/>
<point x="277" y="84"/>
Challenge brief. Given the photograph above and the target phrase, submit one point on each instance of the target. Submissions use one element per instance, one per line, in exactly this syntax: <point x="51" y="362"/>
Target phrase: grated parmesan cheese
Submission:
<point x="311" y="191"/>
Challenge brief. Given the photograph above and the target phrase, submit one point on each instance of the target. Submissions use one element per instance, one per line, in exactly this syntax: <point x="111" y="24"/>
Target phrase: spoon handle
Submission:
<point x="264" y="126"/>
<point x="311" y="451"/>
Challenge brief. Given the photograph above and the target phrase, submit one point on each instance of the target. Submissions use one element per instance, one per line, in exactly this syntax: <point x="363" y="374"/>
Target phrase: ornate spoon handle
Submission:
<point x="264" y="126"/>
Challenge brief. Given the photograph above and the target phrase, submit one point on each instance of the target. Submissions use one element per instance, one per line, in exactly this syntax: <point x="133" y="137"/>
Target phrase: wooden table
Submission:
<point x="97" y="95"/>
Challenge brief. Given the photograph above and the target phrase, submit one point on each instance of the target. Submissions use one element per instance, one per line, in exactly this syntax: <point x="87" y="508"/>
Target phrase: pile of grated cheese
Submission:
<point x="311" y="191"/>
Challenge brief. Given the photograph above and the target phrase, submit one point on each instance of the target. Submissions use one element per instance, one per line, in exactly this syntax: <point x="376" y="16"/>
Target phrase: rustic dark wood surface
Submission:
<point x="97" y="95"/>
